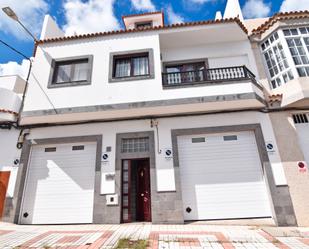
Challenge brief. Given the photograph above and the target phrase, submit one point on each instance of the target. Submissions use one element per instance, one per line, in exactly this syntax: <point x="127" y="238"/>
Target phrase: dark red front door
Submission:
<point x="143" y="212"/>
<point x="135" y="194"/>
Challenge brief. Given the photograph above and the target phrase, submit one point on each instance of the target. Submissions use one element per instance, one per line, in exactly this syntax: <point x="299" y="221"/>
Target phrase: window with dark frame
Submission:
<point x="185" y="72"/>
<point x="131" y="65"/>
<point x="143" y="25"/>
<point x="71" y="71"/>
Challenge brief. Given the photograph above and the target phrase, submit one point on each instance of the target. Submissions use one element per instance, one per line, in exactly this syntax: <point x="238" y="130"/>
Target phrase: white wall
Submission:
<point x="8" y="82"/>
<point x="13" y="83"/>
<point x="101" y="92"/>
<point x="8" y="153"/>
<point x="165" y="171"/>
<point x="50" y="29"/>
<point x="9" y="100"/>
<point x="11" y="89"/>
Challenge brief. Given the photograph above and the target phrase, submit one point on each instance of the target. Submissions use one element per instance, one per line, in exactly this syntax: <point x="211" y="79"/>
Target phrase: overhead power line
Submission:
<point x="27" y="79"/>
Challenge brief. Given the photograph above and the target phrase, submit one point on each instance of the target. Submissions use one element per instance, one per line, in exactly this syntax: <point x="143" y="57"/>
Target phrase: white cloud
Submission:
<point x="91" y="16"/>
<point x="293" y="5"/>
<point x="143" y="5"/>
<point x="30" y="12"/>
<point x="173" y="17"/>
<point x="256" y="9"/>
<point x="13" y="68"/>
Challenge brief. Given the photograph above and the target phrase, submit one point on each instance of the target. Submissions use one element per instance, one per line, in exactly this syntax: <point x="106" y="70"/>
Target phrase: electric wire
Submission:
<point x="27" y="80"/>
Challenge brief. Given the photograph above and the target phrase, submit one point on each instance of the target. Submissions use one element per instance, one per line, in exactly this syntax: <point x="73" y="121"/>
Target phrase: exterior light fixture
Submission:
<point x="11" y="14"/>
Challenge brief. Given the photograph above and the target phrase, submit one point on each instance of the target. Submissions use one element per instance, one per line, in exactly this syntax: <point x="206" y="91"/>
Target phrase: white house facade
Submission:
<point x="157" y="123"/>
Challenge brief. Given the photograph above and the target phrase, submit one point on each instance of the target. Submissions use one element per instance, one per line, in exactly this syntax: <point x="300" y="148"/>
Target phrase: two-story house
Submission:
<point x="156" y="122"/>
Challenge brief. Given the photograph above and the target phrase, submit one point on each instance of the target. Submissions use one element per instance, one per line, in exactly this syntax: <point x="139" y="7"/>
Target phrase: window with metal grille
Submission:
<point x="301" y="118"/>
<point x="131" y="145"/>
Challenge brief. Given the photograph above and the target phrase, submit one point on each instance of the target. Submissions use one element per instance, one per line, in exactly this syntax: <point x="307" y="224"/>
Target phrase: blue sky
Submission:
<point x="106" y="14"/>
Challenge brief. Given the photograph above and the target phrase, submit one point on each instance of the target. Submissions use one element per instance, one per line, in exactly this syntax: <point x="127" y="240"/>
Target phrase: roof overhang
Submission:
<point x="294" y="15"/>
<point x="178" y="26"/>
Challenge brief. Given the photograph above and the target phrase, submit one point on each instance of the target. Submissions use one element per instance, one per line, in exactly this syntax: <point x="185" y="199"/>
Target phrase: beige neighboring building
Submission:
<point x="281" y="47"/>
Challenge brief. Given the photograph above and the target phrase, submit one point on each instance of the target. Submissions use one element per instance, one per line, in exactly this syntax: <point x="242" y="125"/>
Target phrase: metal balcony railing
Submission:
<point x="211" y="75"/>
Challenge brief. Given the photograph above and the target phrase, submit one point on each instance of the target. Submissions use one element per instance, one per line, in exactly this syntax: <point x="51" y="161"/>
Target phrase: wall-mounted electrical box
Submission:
<point x="111" y="200"/>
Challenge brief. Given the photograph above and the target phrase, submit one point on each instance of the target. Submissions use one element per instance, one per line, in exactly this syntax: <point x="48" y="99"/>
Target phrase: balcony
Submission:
<point x="208" y="76"/>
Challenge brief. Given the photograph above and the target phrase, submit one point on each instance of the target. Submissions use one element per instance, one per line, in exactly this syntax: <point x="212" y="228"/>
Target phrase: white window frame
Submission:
<point x="301" y="36"/>
<point x="280" y="74"/>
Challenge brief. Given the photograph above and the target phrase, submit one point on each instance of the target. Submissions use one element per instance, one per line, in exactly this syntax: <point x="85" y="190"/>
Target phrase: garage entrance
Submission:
<point x="222" y="177"/>
<point x="59" y="185"/>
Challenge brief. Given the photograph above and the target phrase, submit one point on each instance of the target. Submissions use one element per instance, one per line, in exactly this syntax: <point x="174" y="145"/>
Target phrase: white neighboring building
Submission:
<point x="11" y="90"/>
<point x="161" y="123"/>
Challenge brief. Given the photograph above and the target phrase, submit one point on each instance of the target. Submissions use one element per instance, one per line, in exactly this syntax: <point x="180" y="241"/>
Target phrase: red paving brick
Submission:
<point x="68" y="239"/>
<point x="274" y="241"/>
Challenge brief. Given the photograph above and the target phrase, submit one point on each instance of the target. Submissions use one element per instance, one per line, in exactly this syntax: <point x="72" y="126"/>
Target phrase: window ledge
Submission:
<point x="133" y="78"/>
<point x="69" y="84"/>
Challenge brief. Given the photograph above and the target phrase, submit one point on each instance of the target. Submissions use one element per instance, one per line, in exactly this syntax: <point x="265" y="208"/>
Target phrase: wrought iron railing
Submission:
<point x="211" y="75"/>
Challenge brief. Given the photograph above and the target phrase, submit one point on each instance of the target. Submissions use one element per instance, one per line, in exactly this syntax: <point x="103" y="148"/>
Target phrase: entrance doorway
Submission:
<point x="136" y="197"/>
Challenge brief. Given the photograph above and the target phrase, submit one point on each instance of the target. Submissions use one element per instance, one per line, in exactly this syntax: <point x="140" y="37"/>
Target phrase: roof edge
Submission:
<point x="277" y="17"/>
<point x="124" y="31"/>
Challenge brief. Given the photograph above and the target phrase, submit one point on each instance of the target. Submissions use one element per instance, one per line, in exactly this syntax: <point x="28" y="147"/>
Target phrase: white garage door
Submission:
<point x="221" y="177"/>
<point x="59" y="184"/>
<point x="302" y="126"/>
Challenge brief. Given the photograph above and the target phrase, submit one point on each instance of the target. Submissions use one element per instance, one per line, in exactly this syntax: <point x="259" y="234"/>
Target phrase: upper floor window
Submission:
<point x="70" y="71"/>
<point x="298" y="43"/>
<point x="131" y="65"/>
<point x="276" y="61"/>
<point x="185" y="72"/>
<point x="143" y="25"/>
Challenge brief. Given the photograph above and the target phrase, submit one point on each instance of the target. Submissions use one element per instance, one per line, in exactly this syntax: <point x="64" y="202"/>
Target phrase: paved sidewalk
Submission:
<point x="193" y="236"/>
